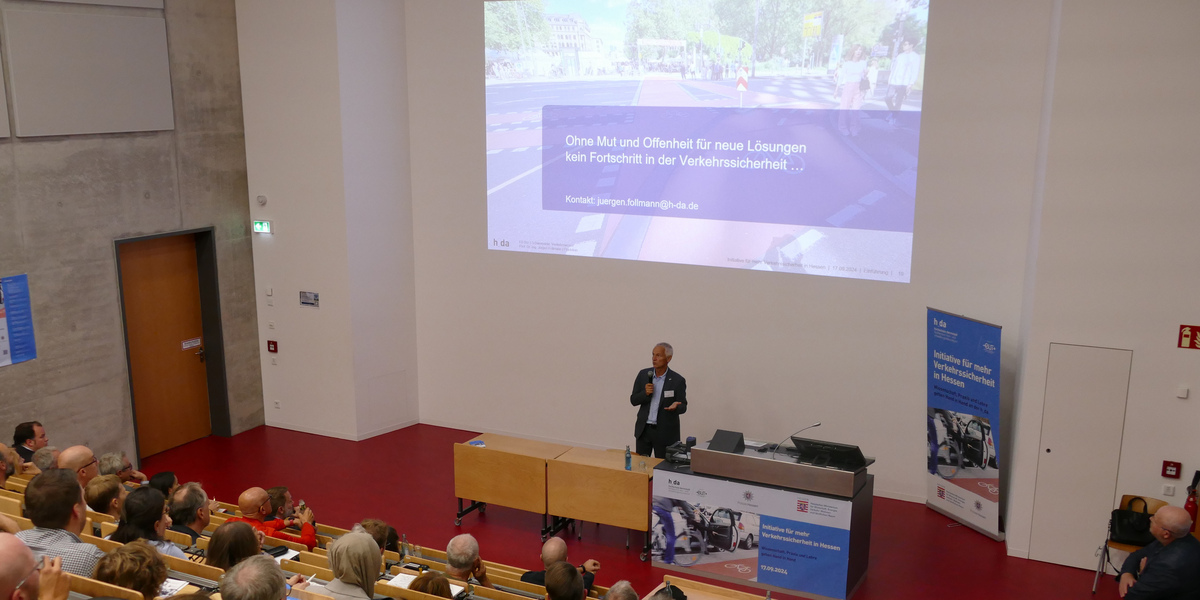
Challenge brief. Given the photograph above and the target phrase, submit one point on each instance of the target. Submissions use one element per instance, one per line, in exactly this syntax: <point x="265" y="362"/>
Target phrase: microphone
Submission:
<point x="817" y="424"/>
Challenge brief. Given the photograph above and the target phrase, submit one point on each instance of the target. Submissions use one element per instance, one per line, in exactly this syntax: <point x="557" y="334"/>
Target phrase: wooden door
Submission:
<point x="160" y="292"/>
<point x="1082" y="421"/>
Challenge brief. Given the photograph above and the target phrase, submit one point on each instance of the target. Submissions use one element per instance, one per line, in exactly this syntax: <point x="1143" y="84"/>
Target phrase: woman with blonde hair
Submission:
<point x="105" y="495"/>
<point x="136" y="566"/>
<point x="355" y="562"/>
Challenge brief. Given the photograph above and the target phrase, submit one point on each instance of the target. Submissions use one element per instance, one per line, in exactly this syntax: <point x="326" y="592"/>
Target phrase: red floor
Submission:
<point x="406" y="478"/>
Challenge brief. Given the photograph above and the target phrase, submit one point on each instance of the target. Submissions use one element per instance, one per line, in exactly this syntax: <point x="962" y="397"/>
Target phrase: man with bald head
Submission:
<point x="1169" y="567"/>
<point x="463" y="561"/>
<point x="255" y="505"/>
<point x="82" y="461"/>
<point x="554" y="551"/>
<point x="20" y="579"/>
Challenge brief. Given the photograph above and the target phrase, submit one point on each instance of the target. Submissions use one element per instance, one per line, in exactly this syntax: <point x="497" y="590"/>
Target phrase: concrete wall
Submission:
<point x="63" y="200"/>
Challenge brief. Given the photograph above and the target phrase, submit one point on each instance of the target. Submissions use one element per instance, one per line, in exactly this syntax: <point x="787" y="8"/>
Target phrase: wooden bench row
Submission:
<point x="314" y="563"/>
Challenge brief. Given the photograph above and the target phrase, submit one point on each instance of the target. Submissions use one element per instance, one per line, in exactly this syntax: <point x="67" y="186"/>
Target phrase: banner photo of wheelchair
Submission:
<point x="963" y="421"/>
<point x="740" y="531"/>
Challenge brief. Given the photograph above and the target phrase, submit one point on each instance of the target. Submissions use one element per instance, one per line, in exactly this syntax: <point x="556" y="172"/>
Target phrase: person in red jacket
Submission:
<point x="255" y="505"/>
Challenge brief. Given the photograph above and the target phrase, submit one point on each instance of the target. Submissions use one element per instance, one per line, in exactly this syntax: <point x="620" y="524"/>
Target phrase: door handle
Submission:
<point x="200" y="353"/>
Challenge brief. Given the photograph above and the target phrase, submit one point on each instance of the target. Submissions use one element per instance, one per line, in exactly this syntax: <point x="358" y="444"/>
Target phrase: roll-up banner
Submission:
<point x="963" y="420"/>
<point x="16" y="321"/>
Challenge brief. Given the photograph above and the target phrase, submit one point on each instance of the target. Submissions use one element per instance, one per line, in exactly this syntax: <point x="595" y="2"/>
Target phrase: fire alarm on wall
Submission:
<point x="1172" y="469"/>
<point x="273" y="346"/>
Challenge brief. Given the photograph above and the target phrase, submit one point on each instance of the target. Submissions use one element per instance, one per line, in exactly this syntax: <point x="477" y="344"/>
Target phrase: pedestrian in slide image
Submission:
<point x="900" y="81"/>
<point x="872" y="75"/>
<point x="850" y="77"/>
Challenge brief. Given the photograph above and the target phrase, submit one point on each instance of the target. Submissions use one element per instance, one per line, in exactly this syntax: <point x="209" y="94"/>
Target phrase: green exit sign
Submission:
<point x="262" y="227"/>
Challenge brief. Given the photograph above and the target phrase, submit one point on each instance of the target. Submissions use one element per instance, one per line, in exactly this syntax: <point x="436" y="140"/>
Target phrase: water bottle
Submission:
<point x="628" y="459"/>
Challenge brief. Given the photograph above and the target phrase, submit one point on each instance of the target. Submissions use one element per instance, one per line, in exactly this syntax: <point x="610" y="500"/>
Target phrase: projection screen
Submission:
<point x="777" y="135"/>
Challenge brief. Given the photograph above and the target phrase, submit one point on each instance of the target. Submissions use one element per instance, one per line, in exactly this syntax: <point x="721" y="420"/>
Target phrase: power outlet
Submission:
<point x="1168" y="488"/>
<point x="277" y="406"/>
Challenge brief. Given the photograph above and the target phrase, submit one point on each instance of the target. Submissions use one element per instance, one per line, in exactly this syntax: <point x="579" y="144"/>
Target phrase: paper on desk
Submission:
<point x="403" y="580"/>
<point x="170" y="587"/>
<point x="289" y="555"/>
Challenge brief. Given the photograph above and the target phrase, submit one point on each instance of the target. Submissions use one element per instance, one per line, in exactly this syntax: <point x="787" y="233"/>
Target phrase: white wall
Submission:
<point x="547" y="346"/>
<point x="1117" y="251"/>
<point x="324" y="95"/>
<point x="374" y="96"/>
<point x="289" y="61"/>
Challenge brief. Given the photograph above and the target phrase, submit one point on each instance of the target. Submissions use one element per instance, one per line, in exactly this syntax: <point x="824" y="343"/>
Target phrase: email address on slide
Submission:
<point x="632" y="202"/>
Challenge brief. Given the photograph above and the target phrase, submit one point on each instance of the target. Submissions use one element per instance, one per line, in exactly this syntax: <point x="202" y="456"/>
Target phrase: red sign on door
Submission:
<point x="1189" y="336"/>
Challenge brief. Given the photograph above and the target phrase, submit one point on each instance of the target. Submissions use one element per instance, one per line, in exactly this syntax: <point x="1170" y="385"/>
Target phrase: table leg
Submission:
<point x="556" y="525"/>
<point x="480" y="506"/>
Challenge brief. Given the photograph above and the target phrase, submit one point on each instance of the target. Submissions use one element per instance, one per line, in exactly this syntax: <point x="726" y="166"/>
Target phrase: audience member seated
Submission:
<point x="81" y="461"/>
<point x="136" y="566"/>
<point x="255" y="505"/>
<point x="393" y="540"/>
<point x="563" y="582"/>
<point x="668" y="592"/>
<point x="555" y="550"/>
<point x="433" y="584"/>
<point x="106" y="495"/>
<point x="54" y="502"/>
<point x="116" y="463"/>
<point x="144" y="517"/>
<point x="354" y="560"/>
<point x="164" y="482"/>
<point x="20" y="577"/>
<point x="622" y="590"/>
<point x="28" y="437"/>
<point x="378" y="530"/>
<point x="283" y="509"/>
<point x="190" y="510"/>
<point x="1170" y="566"/>
<point x="232" y="543"/>
<point x="45" y="458"/>
<point x="463" y="562"/>
<point x="257" y="578"/>
<point x="10" y="463"/>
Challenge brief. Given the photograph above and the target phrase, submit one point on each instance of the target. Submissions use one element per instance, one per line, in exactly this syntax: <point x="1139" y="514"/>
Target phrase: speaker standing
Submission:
<point x="661" y="396"/>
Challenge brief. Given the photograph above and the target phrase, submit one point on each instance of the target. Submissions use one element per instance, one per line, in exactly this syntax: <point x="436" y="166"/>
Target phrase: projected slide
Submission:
<point x="777" y="135"/>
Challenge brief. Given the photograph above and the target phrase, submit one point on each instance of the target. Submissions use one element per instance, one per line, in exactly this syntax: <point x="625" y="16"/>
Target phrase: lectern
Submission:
<point x="766" y="521"/>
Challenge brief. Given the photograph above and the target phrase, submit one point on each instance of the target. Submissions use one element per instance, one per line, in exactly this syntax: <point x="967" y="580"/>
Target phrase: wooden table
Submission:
<point x="593" y="485"/>
<point x="506" y="471"/>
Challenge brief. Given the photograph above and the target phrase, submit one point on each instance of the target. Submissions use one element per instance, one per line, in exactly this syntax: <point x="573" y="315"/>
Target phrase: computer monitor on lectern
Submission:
<point x="818" y="453"/>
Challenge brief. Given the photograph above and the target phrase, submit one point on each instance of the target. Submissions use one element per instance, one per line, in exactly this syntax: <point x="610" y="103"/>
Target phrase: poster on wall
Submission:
<point x="736" y="531"/>
<point x="963" y="421"/>
<point x="16" y="321"/>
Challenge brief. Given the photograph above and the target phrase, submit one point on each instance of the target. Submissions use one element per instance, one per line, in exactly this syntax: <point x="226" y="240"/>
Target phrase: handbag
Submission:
<point x="864" y="84"/>
<point x="1128" y="526"/>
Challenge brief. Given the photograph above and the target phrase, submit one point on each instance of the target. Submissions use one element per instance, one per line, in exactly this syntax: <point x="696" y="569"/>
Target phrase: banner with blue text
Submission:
<point x="963" y="420"/>
<point x="16" y="321"/>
